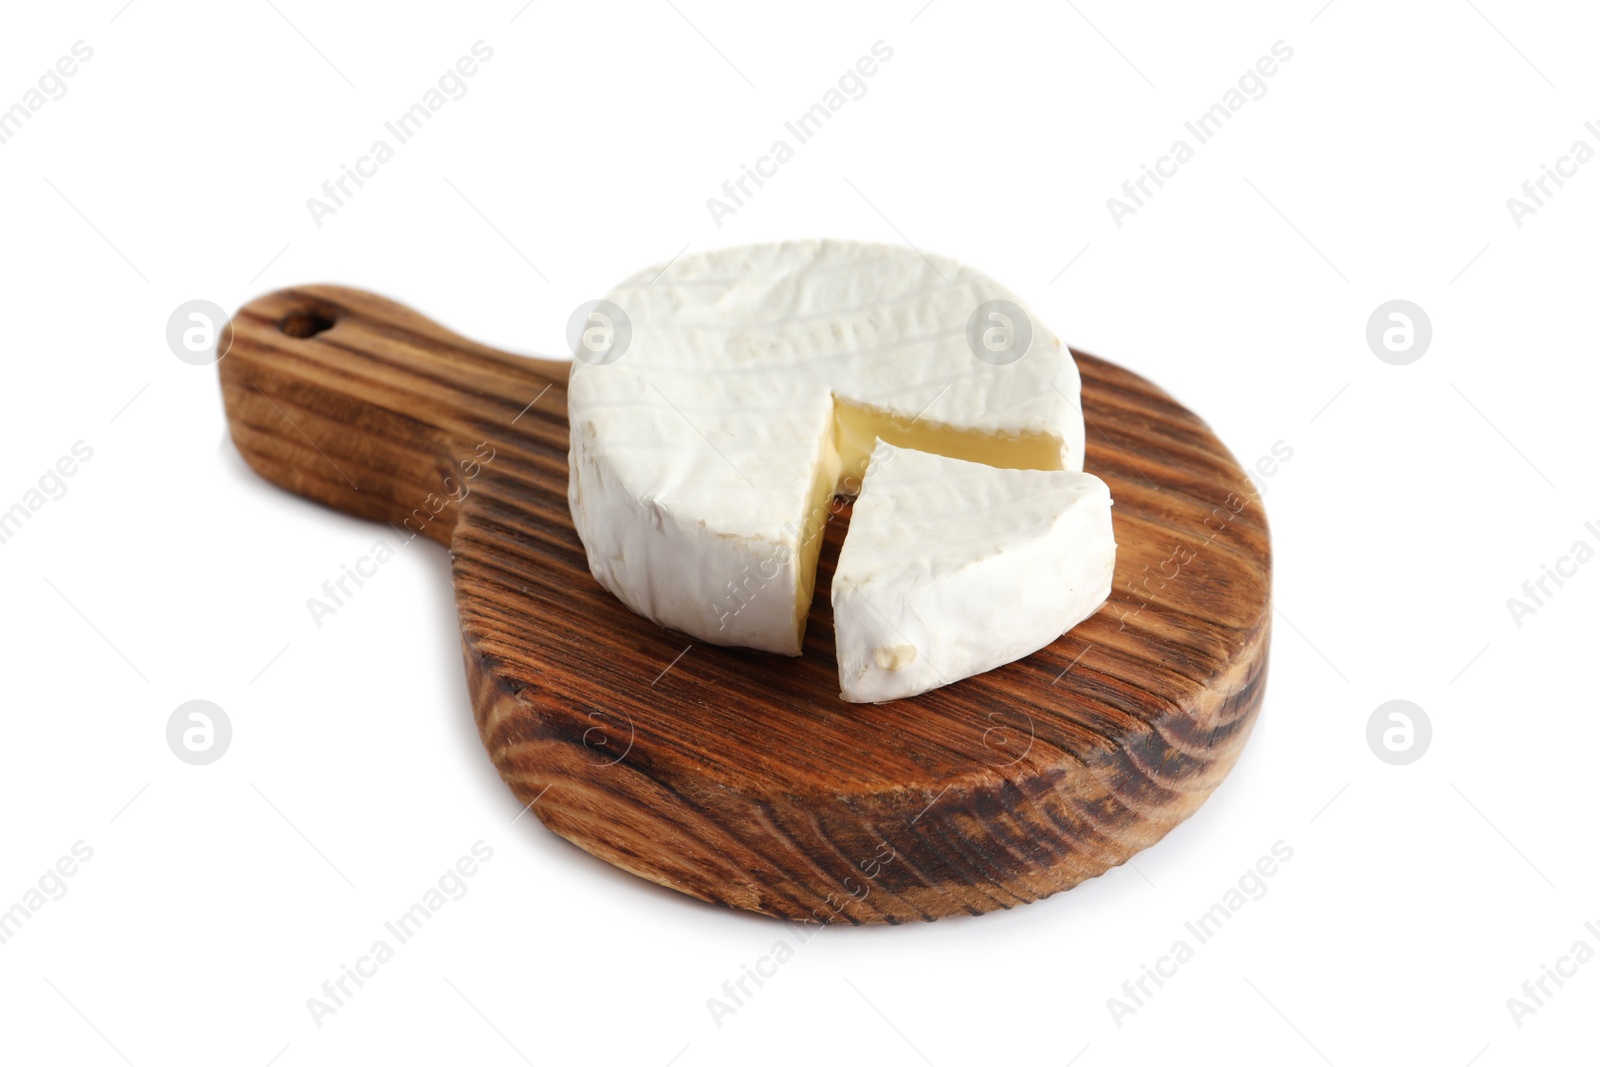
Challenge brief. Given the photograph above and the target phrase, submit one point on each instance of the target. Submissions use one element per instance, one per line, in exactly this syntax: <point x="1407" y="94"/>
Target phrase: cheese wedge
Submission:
<point x="953" y="568"/>
<point x="705" y="455"/>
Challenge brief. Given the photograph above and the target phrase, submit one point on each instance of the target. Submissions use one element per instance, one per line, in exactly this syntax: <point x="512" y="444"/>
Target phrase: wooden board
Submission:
<point x="740" y="777"/>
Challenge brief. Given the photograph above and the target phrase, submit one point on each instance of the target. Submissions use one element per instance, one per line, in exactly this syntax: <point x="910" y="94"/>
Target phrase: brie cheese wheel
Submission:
<point x="953" y="568"/>
<point x="705" y="455"/>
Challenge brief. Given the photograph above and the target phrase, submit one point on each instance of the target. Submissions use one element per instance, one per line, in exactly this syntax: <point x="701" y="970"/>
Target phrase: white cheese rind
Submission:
<point x="952" y="568"/>
<point x="703" y="458"/>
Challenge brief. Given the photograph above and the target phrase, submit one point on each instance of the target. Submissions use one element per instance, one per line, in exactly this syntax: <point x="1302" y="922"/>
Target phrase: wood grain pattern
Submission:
<point x="740" y="777"/>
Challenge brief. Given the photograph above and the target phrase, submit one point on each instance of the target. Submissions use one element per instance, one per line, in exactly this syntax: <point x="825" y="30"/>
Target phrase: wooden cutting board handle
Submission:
<point x="739" y="777"/>
<point x="364" y="405"/>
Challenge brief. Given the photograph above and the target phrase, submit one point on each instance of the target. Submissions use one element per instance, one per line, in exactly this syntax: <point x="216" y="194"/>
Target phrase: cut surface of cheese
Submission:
<point x="953" y="568"/>
<point x="705" y="455"/>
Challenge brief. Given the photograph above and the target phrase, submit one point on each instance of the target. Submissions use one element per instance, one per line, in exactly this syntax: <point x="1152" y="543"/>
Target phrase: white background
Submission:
<point x="1418" y="499"/>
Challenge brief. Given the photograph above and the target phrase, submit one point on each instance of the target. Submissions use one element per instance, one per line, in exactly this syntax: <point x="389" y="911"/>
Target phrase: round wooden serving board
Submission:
<point x="740" y="777"/>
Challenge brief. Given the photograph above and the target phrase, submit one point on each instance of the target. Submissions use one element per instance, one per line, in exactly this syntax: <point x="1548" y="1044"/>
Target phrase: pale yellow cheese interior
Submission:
<point x="842" y="464"/>
<point x="857" y="427"/>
